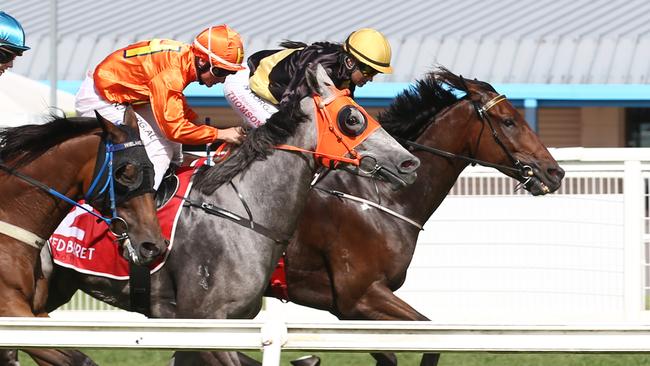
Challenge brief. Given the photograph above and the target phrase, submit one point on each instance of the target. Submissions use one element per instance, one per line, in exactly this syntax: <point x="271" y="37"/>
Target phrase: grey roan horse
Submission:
<point x="350" y="264"/>
<point x="219" y="269"/>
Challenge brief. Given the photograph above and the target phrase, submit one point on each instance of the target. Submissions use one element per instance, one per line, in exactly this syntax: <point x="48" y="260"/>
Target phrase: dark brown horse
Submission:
<point x="45" y="168"/>
<point x="349" y="260"/>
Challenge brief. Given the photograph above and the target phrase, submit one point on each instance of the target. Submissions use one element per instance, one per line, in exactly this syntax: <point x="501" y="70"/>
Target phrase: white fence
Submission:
<point x="273" y="337"/>
<point x="490" y="254"/>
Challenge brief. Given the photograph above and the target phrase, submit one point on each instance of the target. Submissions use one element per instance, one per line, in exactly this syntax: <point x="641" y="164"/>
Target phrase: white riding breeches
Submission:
<point x="160" y="150"/>
<point x="252" y="109"/>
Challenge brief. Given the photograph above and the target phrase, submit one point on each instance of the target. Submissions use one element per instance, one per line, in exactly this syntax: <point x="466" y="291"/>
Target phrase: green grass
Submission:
<point x="161" y="358"/>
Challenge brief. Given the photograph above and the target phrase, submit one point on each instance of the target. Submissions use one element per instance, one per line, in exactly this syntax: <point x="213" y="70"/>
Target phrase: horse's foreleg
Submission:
<point x="53" y="357"/>
<point x="9" y="357"/>
<point x="380" y="303"/>
<point x="59" y="357"/>
<point x="385" y="359"/>
<point x="189" y="358"/>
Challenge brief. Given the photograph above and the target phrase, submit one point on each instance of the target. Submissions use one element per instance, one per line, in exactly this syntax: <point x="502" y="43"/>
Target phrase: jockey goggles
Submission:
<point x="366" y="70"/>
<point x="221" y="73"/>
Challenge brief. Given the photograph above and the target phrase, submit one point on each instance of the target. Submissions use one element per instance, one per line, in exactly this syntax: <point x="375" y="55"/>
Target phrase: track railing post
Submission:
<point x="274" y="336"/>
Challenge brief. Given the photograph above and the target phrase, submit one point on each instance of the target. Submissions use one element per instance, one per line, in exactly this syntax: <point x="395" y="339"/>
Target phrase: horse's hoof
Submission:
<point x="310" y="360"/>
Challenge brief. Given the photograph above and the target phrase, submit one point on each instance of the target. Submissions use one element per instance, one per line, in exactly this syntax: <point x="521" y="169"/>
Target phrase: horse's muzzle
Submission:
<point x="546" y="178"/>
<point x="148" y="252"/>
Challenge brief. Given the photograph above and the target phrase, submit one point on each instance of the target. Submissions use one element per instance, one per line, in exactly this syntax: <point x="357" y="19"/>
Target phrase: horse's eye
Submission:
<point x="508" y="122"/>
<point x="352" y="121"/>
<point x="128" y="175"/>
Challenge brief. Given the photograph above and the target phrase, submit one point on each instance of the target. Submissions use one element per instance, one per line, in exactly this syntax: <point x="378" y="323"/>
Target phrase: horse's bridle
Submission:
<point x="34" y="240"/>
<point x="525" y="171"/>
<point x="110" y="191"/>
<point x="338" y="139"/>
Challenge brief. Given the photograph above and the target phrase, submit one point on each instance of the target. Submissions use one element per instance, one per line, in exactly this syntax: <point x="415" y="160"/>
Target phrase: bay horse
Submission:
<point x="219" y="269"/>
<point x="351" y="264"/>
<point x="46" y="168"/>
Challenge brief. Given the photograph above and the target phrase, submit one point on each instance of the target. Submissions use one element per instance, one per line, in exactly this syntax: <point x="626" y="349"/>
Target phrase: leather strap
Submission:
<point x="22" y="235"/>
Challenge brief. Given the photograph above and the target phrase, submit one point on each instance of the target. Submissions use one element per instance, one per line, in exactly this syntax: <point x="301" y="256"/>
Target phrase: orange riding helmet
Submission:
<point x="221" y="46"/>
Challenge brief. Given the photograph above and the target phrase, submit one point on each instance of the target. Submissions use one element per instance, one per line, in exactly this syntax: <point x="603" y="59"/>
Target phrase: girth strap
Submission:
<point x="22" y="235"/>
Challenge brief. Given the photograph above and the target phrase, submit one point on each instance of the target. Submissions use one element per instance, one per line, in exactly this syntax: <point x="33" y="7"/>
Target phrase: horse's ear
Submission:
<point x="113" y="132"/>
<point x="318" y="80"/>
<point x="131" y="119"/>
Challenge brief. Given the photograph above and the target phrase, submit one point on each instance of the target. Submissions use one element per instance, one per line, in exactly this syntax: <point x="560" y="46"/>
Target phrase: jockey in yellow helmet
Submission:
<point x="274" y="76"/>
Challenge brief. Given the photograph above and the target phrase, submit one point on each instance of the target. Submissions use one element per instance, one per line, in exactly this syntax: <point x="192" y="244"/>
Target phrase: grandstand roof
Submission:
<point x="505" y="41"/>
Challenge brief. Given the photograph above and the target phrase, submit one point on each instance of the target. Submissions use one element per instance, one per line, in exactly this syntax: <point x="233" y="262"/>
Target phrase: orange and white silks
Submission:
<point x="155" y="71"/>
<point x="333" y="145"/>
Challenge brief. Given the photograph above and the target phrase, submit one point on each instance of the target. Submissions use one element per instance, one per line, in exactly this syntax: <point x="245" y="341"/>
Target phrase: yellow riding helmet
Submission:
<point x="370" y="47"/>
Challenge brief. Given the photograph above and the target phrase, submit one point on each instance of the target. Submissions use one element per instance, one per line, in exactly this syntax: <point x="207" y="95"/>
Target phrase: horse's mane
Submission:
<point x="292" y="44"/>
<point x="298" y="44"/>
<point x="417" y="106"/>
<point x="23" y="144"/>
<point x="257" y="146"/>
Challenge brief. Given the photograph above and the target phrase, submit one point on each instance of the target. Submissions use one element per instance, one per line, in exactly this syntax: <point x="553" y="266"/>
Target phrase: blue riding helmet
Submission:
<point x="12" y="34"/>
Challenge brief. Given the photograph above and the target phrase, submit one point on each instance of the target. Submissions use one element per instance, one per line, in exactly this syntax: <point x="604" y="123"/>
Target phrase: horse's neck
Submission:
<point x="437" y="174"/>
<point x="64" y="172"/>
<point x="282" y="184"/>
<point x="276" y="188"/>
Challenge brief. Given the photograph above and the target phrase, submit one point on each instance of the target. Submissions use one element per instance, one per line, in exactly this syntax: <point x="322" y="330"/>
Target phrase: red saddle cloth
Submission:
<point x="89" y="247"/>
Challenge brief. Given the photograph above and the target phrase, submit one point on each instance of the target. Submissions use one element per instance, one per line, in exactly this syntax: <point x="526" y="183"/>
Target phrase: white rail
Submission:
<point x="340" y="336"/>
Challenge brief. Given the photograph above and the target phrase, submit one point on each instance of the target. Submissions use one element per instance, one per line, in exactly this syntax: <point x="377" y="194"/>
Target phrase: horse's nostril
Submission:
<point x="557" y="173"/>
<point x="407" y="164"/>
<point x="149" y="250"/>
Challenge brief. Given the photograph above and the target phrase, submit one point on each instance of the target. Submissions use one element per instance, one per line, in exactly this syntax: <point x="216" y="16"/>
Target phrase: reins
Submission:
<point x="451" y="155"/>
<point x="364" y="201"/>
<point x="525" y="171"/>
